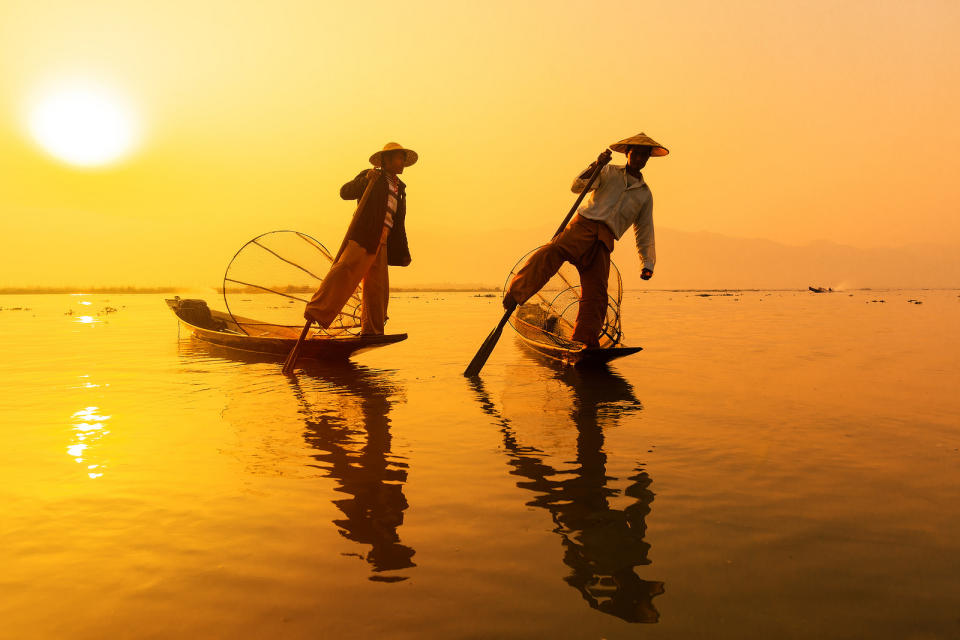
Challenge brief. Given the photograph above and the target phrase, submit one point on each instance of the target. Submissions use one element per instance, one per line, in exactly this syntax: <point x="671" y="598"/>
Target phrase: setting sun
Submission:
<point x="83" y="125"/>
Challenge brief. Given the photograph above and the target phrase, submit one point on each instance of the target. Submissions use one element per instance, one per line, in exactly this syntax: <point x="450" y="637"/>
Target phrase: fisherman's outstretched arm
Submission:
<point x="353" y="190"/>
<point x="643" y="231"/>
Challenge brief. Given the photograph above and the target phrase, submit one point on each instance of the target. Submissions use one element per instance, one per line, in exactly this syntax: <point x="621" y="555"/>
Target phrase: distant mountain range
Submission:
<point x="705" y="260"/>
<point x="693" y="260"/>
<point x="445" y="258"/>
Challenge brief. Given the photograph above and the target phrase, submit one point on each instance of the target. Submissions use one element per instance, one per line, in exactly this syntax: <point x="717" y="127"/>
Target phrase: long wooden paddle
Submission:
<point x="486" y="348"/>
<point x="291" y="360"/>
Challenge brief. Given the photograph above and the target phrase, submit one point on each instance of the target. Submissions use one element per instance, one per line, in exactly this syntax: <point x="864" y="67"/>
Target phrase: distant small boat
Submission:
<point x="540" y="329"/>
<point x="219" y="328"/>
<point x="821" y="289"/>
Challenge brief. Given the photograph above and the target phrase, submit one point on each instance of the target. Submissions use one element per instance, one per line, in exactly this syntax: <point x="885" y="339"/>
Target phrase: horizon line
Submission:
<point x="431" y="289"/>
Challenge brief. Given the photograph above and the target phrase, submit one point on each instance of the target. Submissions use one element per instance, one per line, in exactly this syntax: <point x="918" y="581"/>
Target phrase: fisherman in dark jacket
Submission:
<point x="375" y="239"/>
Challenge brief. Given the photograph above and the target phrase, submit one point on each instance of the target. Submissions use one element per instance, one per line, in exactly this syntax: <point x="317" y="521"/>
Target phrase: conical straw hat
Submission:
<point x="640" y="140"/>
<point x="376" y="158"/>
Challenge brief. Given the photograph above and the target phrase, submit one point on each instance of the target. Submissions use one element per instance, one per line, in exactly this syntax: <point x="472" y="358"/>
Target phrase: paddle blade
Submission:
<point x="291" y="360"/>
<point x="486" y="348"/>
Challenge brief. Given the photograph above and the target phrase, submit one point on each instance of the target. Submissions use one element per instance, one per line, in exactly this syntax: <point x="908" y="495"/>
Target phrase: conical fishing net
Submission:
<point x="270" y="280"/>
<point x="550" y="316"/>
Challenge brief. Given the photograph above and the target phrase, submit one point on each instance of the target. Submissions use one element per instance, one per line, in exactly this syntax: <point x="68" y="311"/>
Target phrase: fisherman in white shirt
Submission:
<point x="618" y="198"/>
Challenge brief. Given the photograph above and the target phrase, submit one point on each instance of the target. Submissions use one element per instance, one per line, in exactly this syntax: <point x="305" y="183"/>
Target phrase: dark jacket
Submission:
<point x="367" y="225"/>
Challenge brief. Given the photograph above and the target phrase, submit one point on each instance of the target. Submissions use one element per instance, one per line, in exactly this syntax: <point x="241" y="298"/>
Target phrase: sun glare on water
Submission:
<point x="83" y="125"/>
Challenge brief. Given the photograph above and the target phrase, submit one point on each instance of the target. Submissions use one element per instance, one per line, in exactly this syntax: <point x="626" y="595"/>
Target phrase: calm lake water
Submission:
<point x="772" y="465"/>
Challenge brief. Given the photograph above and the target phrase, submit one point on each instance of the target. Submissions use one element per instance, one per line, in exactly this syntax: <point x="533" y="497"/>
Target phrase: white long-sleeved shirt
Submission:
<point x="618" y="200"/>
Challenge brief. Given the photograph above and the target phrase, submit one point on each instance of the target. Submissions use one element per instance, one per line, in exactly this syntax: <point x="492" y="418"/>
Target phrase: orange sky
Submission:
<point x="787" y="121"/>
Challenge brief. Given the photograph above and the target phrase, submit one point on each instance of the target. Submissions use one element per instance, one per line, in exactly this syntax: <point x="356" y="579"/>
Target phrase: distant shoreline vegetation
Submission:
<point x="283" y="290"/>
<point x="88" y="290"/>
<point x="291" y="290"/>
<point x="219" y="290"/>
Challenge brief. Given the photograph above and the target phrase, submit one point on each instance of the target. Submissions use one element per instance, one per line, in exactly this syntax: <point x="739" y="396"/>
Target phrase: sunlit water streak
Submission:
<point x="773" y="464"/>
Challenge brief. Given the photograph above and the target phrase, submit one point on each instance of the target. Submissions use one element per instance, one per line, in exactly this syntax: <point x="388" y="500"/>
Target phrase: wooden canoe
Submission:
<point x="219" y="328"/>
<point x="589" y="357"/>
<point x="529" y="323"/>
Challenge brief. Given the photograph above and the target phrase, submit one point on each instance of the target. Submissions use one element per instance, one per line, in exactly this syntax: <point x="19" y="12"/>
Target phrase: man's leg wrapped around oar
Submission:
<point x="587" y="245"/>
<point x="354" y="265"/>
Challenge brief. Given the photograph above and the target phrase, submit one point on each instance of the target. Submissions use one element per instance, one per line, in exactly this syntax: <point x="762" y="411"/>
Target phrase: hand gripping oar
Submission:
<point x="486" y="348"/>
<point x="291" y="360"/>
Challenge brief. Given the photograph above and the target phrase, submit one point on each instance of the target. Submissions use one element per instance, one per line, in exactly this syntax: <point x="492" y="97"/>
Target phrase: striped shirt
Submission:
<point x="393" y="188"/>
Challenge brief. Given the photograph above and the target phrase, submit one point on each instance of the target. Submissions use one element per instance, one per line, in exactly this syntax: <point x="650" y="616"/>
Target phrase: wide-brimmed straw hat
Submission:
<point x="376" y="159"/>
<point x="640" y="140"/>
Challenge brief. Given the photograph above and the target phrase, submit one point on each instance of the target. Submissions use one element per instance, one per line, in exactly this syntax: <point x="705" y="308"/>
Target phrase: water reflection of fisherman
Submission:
<point x="602" y="545"/>
<point x="360" y="462"/>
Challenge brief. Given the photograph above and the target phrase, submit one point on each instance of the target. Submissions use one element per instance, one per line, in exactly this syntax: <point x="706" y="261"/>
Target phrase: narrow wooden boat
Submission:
<point x="219" y="328"/>
<point x="540" y="330"/>
<point x="588" y="357"/>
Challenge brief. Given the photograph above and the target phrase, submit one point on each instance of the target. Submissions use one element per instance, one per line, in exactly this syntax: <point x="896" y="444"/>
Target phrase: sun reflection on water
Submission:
<point x="89" y="385"/>
<point x="88" y="429"/>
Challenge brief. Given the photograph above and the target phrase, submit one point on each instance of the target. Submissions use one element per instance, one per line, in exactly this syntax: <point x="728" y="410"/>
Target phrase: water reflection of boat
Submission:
<point x="346" y="412"/>
<point x="353" y="444"/>
<point x="602" y="544"/>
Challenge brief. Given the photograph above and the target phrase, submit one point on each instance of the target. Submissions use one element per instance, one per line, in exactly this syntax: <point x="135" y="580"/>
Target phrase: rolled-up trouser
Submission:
<point x="353" y="266"/>
<point x="587" y="245"/>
